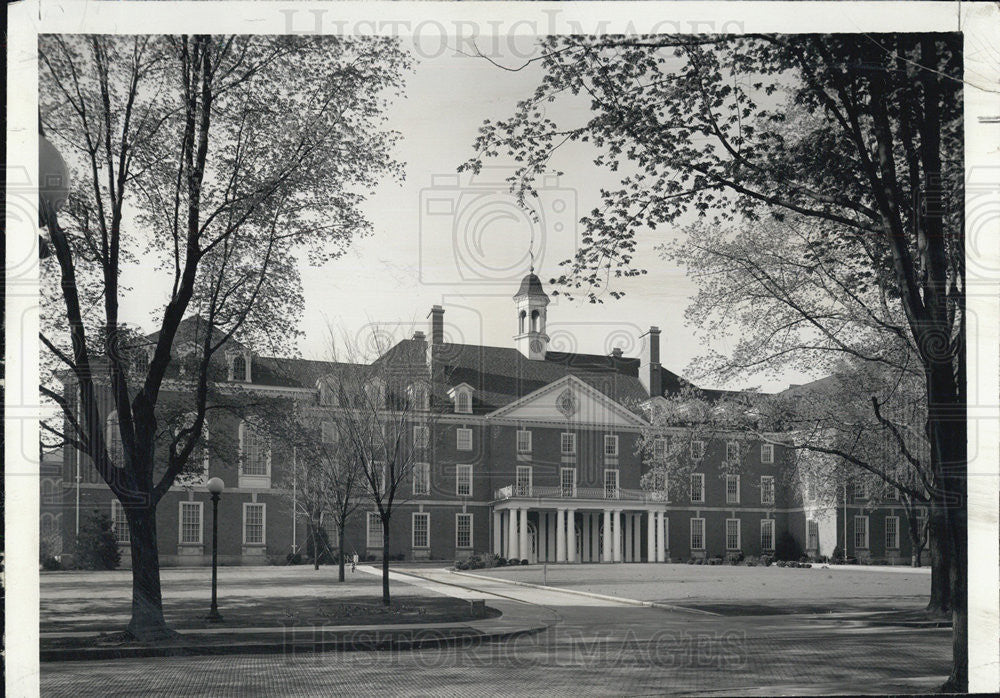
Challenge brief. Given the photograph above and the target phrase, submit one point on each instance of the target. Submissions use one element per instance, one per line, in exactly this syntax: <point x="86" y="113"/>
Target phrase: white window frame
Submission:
<point x="180" y="523"/>
<point x="733" y="497"/>
<point x="892" y="543"/>
<point x="567" y="437"/>
<point x="612" y="440"/>
<point x="739" y="535"/>
<point x="701" y="491"/>
<point x="659" y="448"/>
<point x="460" y="516"/>
<point x="463" y="401"/>
<point x="524" y="441"/>
<point x="518" y="490"/>
<point x="118" y="519"/>
<point x="697" y="449"/>
<point x="767" y="453"/>
<point x="463" y="439"/>
<point x="419" y="396"/>
<point x="730" y="446"/>
<point x="891" y="493"/>
<point x="263" y="523"/>
<point x="421" y="477"/>
<point x="865" y="531"/>
<point x="373" y="517"/>
<point x="562" y="482"/>
<point x="463" y="473"/>
<point x="413" y="529"/>
<point x="767" y="535"/>
<point x="251" y="480"/>
<point x="812" y="529"/>
<point x="697" y="526"/>
<point x="767" y="489"/>
<point x="616" y="493"/>
<point x="421" y="436"/>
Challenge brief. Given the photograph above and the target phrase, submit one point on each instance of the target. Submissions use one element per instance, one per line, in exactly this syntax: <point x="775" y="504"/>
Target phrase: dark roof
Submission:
<point x="530" y="285"/>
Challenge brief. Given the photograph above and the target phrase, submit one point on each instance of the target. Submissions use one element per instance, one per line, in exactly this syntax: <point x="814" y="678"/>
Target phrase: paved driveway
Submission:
<point x="593" y="647"/>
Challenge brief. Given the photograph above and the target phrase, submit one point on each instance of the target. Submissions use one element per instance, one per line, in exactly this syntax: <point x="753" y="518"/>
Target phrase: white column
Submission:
<point x="650" y="537"/>
<point x="571" y="535"/>
<point x="585" y="534"/>
<point x="659" y="536"/>
<point x="497" y="528"/>
<point x="606" y="537"/>
<point x="552" y="536"/>
<point x="637" y="536"/>
<point x="664" y="543"/>
<point x="523" y="550"/>
<point x="616" y="535"/>
<point x="543" y="536"/>
<point x="512" y="534"/>
<point x="628" y="537"/>
<point x="561" y="535"/>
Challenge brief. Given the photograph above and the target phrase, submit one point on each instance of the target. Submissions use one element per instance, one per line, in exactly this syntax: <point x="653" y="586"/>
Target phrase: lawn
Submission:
<point x="752" y="589"/>
<point x="248" y="597"/>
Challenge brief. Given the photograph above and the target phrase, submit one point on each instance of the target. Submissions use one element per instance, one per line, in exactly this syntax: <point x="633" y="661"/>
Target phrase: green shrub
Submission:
<point x="50" y="563"/>
<point x="786" y="547"/>
<point x="766" y="560"/>
<point x="734" y="558"/>
<point x="524" y="561"/>
<point x="96" y="547"/>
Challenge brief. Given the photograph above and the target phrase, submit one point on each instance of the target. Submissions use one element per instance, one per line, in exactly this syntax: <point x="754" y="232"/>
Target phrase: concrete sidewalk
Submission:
<point x="517" y="619"/>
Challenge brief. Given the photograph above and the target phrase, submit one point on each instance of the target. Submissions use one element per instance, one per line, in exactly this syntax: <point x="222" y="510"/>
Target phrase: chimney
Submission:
<point x="437" y="325"/>
<point x="419" y="336"/>
<point x="616" y="352"/>
<point x="651" y="372"/>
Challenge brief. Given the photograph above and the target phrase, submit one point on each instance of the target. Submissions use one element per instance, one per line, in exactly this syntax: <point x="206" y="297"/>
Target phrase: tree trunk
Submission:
<point x="385" y="562"/>
<point x="315" y="542"/>
<point x="940" y="551"/>
<point x="342" y="553"/>
<point x="147" y="623"/>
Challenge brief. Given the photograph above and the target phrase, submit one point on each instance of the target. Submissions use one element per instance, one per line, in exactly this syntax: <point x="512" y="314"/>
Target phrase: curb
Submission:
<point x="419" y="639"/>
<point x="592" y="595"/>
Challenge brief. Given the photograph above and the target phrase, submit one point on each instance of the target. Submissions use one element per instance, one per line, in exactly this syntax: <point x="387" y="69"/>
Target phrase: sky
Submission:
<point x="447" y="239"/>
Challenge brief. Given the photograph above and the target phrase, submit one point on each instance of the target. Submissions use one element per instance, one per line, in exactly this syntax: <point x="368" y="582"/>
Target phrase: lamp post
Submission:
<point x="215" y="486"/>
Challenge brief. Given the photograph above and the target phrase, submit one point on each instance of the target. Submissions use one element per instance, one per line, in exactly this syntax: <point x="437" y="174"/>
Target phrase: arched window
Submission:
<point x="535" y="316"/>
<point x="521" y="318"/>
<point x="463" y="402"/>
<point x="113" y="438"/>
<point x="239" y="368"/>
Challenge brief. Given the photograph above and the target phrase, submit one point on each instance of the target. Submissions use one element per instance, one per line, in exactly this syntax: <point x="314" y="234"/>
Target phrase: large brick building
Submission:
<point x="530" y="453"/>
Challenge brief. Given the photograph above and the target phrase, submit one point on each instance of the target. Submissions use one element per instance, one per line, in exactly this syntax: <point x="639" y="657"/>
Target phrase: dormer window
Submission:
<point x="239" y="368"/>
<point x="461" y="395"/>
<point x="327" y="394"/>
<point x="418" y="396"/>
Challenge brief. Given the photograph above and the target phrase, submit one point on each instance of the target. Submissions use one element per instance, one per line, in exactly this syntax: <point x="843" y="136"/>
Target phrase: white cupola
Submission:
<point x="531" y="303"/>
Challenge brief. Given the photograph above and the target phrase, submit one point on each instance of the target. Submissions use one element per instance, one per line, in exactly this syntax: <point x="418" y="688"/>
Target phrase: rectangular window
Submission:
<point x="523" y="488"/>
<point x="659" y="483"/>
<point x="860" y="490"/>
<point x="523" y="441"/>
<point x="119" y="524"/>
<point x="421" y="530"/>
<point x="374" y="530"/>
<point x="891" y="494"/>
<point x="732" y="534"/>
<point x="567" y="482"/>
<point x="732" y="489"/>
<point x="611" y="445"/>
<point x="190" y="523"/>
<point x="253" y="523"/>
<point x="697" y="534"/>
<point x="255" y="451"/>
<point x="732" y="452"/>
<point x="611" y="484"/>
<point x="328" y="432"/>
<point x="697" y="487"/>
<point x="813" y="535"/>
<point x="767" y="453"/>
<point x="892" y="532"/>
<point x="463" y="439"/>
<point x="767" y="534"/>
<point x="861" y="532"/>
<point x="421" y="478"/>
<point x="463" y="530"/>
<point x="567" y="444"/>
<point x="766" y="489"/>
<point x="421" y="437"/>
<point x="463" y="480"/>
<point x="659" y="448"/>
<point x="697" y="450"/>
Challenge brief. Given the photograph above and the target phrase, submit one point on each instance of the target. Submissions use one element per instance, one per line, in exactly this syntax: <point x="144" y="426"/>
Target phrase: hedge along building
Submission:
<point x="521" y="451"/>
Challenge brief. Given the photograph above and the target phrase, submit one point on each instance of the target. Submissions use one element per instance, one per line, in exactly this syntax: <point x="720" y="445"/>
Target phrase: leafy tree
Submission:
<point x="861" y="135"/>
<point x="218" y="163"/>
<point x="96" y="546"/>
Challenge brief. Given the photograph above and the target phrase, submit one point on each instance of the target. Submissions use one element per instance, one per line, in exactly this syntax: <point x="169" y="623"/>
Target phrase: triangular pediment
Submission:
<point x="569" y="400"/>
